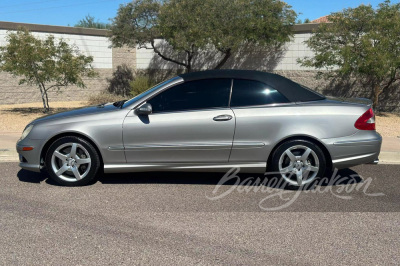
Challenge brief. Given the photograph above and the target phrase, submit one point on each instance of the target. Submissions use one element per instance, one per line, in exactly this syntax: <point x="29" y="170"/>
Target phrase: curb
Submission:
<point x="8" y="155"/>
<point x="389" y="157"/>
<point x="385" y="157"/>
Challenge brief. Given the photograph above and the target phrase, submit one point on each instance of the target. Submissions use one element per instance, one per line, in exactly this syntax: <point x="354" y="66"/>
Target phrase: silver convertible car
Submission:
<point x="206" y="121"/>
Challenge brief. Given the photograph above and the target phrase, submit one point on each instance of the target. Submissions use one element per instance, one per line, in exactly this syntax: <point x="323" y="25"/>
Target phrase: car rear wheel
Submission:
<point x="72" y="161"/>
<point x="299" y="162"/>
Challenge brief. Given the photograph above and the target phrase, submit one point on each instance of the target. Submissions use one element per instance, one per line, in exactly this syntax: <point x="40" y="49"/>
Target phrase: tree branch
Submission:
<point x="166" y="58"/>
<point x="56" y="85"/>
<point x="390" y="82"/>
<point x="228" y="54"/>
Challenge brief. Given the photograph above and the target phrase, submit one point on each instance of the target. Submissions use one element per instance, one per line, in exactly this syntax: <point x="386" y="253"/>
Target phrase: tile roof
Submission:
<point x="323" y="19"/>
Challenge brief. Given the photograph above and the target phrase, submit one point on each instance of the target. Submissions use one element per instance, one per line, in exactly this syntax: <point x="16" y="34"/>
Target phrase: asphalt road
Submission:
<point x="187" y="218"/>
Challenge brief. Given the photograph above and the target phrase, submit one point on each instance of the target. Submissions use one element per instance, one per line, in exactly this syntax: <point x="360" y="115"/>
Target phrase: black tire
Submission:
<point x="84" y="151"/>
<point x="276" y="156"/>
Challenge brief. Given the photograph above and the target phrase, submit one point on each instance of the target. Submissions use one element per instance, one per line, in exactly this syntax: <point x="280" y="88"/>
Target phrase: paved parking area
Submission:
<point x="169" y="218"/>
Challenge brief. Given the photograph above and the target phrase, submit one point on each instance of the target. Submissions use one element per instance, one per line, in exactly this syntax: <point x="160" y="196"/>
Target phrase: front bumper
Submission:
<point x="30" y="167"/>
<point x="30" y="160"/>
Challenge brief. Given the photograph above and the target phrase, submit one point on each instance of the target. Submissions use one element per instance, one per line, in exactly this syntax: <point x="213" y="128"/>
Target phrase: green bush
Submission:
<point x="140" y="84"/>
<point x="119" y="84"/>
<point x="104" y="97"/>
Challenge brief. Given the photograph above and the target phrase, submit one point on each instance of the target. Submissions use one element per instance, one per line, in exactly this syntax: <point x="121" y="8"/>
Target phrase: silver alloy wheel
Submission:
<point x="299" y="165"/>
<point x="71" y="162"/>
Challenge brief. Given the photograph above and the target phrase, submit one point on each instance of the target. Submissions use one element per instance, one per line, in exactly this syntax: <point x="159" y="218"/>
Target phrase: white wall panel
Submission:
<point x="294" y="50"/>
<point x="96" y="46"/>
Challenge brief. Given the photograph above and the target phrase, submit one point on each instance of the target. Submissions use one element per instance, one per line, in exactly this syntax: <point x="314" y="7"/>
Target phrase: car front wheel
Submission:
<point x="299" y="162"/>
<point x="72" y="161"/>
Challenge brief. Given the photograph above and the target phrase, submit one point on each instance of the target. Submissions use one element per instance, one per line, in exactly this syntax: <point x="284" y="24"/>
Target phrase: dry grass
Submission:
<point x="104" y="97"/>
<point x="14" y="118"/>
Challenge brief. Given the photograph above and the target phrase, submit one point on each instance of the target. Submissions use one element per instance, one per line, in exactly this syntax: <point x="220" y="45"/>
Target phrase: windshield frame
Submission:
<point x="135" y="101"/>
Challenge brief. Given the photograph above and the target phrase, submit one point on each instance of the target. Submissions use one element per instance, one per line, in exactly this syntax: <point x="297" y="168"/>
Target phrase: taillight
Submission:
<point x="366" y="121"/>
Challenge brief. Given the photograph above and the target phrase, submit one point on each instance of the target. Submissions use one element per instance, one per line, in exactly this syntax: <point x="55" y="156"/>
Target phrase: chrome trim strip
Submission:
<point x="352" y="158"/>
<point x="116" y="148"/>
<point x="189" y="146"/>
<point x="264" y="105"/>
<point x="230" y="94"/>
<point x="193" y="110"/>
<point x="247" y="145"/>
<point x="345" y="143"/>
<point x="257" y="167"/>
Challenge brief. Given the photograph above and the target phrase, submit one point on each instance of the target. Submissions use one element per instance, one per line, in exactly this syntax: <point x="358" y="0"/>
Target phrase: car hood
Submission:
<point x="77" y="112"/>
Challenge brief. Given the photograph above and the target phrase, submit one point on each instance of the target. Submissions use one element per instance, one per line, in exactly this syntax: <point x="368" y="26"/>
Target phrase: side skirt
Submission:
<point x="244" y="167"/>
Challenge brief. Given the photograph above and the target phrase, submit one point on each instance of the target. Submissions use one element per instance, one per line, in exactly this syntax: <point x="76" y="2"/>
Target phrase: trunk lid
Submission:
<point x="364" y="101"/>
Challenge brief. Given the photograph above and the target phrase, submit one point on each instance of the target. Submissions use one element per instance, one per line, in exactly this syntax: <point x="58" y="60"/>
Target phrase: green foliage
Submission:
<point x="104" y="97"/>
<point x="119" y="84"/>
<point x="360" y="42"/>
<point x="136" y="23"/>
<point x="190" y="26"/>
<point x="47" y="64"/>
<point x="140" y="84"/>
<point x="90" y="22"/>
<point x="307" y="20"/>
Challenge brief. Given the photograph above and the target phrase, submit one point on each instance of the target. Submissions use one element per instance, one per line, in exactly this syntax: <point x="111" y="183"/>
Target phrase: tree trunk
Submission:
<point x="379" y="89"/>
<point x="189" y="62"/>
<point x="375" y="100"/>
<point x="45" y="99"/>
<point x="223" y="61"/>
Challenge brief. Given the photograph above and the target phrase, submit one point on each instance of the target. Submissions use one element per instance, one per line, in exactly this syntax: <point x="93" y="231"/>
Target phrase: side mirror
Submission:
<point x="145" y="109"/>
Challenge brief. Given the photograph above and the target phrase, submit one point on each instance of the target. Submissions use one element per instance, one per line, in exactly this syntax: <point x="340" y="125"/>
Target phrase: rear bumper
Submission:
<point x="371" y="158"/>
<point x="374" y="162"/>
<point x="355" y="150"/>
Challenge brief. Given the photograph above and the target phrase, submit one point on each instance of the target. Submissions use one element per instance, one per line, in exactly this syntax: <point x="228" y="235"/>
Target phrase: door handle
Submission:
<point x="222" y="118"/>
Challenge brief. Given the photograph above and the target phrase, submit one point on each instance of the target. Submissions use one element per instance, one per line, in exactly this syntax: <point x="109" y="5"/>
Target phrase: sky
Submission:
<point x="69" y="12"/>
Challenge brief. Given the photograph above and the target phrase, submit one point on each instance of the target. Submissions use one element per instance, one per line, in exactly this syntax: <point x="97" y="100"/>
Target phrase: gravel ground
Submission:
<point x="388" y="125"/>
<point x="14" y="118"/>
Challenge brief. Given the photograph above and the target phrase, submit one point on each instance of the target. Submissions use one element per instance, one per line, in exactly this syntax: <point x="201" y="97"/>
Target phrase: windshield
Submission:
<point x="149" y="91"/>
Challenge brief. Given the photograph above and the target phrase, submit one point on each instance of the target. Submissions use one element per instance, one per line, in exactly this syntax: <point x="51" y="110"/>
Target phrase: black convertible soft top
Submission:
<point x="293" y="91"/>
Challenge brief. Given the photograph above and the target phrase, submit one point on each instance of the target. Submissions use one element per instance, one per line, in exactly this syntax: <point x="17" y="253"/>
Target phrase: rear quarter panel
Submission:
<point x="272" y="124"/>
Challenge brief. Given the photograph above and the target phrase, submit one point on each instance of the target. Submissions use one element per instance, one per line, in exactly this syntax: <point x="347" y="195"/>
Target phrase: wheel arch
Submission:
<point x="317" y="142"/>
<point x="50" y="141"/>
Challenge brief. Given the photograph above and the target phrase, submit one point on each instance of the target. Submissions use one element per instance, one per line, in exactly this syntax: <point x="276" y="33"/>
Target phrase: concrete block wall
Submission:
<point x="96" y="46"/>
<point x="91" y="42"/>
<point x="95" y="42"/>
<point x="12" y="93"/>
<point x="124" y="55"/>
<point x="248" y="58"/>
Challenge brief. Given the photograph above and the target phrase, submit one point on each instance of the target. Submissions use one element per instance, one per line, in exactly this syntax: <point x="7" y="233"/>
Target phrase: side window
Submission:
<point x="251" y="92"/>
<point x="199" y="94"/>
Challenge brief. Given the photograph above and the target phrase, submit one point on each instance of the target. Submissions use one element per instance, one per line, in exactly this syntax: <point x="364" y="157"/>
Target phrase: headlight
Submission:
<point x="26" y="132"/>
